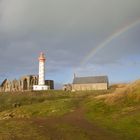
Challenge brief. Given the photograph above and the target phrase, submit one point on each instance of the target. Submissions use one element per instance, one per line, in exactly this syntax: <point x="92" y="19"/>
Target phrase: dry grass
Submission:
<point x="118" y="111"/>
<point x="122" y="92"/>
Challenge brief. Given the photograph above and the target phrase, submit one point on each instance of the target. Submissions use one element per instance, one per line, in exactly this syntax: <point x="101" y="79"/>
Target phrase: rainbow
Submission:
<point x="109" y="39"/>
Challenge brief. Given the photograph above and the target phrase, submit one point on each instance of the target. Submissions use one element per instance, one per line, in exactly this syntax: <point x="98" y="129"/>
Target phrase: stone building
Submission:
<point x="67" y="87"/>
<point x="25" y="83"/>
<point x="49" y="83"/>
<point x="90" y="83"/>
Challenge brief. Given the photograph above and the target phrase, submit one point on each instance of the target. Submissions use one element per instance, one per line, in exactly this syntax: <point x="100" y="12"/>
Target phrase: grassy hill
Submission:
<point x="57" y="115"/>
<point x="118" y="111"/>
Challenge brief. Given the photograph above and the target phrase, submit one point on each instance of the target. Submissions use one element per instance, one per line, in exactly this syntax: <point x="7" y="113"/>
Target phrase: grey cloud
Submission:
<point x="120" y="48"/>
<point x="63" y="15"/>
<point x="66" y="30"/>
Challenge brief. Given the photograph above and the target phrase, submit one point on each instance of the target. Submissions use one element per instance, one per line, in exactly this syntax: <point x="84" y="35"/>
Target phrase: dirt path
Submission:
<point x="73" y="126"/>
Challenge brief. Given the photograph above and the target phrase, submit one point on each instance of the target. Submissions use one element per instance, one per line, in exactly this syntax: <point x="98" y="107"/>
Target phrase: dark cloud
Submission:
<point x="66" y="31"/>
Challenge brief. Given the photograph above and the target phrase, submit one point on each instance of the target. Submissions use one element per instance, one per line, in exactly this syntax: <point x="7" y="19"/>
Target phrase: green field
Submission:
<point x="59" y="115"/>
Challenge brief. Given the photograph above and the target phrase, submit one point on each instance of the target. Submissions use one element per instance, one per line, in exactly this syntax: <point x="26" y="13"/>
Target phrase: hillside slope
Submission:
<point x="119" y="111"/>
<point x="57" y="115"/>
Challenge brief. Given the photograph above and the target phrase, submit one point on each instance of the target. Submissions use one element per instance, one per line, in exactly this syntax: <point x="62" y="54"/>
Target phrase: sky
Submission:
<point x="70" y="33"/>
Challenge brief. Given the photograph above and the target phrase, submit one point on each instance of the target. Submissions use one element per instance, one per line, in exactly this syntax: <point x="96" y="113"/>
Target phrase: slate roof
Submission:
<point x="89" y="80"/>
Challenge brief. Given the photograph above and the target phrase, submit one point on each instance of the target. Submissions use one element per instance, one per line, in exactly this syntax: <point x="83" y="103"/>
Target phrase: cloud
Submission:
<point x="61" y="16"/>
<point x="66" y="31"/>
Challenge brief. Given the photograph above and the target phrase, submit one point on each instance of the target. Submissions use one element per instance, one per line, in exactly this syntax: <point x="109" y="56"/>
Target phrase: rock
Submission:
<point x="17" y="104"/>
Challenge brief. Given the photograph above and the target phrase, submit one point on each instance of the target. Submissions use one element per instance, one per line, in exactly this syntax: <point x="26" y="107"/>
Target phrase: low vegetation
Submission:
<point x="119" y="111"/>
<point x="56" y="115"/>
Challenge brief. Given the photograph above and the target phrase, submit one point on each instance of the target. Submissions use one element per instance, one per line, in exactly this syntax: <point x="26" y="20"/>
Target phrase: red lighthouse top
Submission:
<point x="42" y="57"/>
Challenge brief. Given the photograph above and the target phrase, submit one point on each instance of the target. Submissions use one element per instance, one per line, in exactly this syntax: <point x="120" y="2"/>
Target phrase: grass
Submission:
<point x="123" y="120"/>
<point x="116" y="110"/>
<point x="47" y="108"/>
<point x="19" y="130"/>
<point x="8" y="100"/>
<point x="71" y="132"/>
<point x="33" y="105"/>
<point x="37" y="105"/>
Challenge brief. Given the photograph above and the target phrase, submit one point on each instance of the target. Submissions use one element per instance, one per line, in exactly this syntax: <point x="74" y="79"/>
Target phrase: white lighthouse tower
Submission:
<point x="41" y="69"/>
<point x="41" y="80"/>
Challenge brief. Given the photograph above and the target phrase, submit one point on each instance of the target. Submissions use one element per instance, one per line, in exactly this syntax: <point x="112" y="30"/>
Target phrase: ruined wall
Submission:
<point x="25" y="83"/>
<point x="67" y="87"/>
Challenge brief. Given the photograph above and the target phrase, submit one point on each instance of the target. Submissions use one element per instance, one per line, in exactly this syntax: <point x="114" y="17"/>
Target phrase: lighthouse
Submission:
<point x="41" y="76"/>
<point x="42" y="60"/>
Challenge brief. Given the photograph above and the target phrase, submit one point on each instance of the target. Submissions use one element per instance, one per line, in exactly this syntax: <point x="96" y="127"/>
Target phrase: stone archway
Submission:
<point x="36" y="80"/>
<point x="32" y="82"/>
<point x="25" y="84"/>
